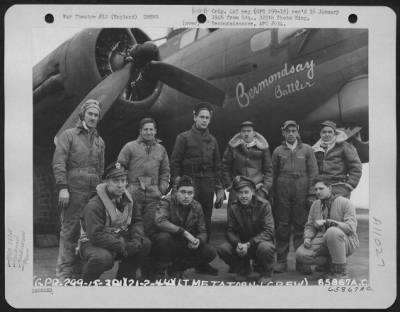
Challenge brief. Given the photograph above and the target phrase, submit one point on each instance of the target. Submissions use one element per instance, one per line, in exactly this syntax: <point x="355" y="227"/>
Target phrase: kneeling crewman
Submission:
<point x="112" y="229"/>
<point x="330" y="234"/>
<point x="250" y="233"/>
<point x="181" y="240"/>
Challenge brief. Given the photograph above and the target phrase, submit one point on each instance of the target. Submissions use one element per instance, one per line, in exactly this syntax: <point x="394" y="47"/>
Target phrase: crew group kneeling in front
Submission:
<point x="131" y="218"/>
<point x="112" y="229"/>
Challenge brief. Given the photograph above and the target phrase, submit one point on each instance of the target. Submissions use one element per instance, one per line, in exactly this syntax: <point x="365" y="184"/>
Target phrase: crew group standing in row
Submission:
<point x="131" y="218"/>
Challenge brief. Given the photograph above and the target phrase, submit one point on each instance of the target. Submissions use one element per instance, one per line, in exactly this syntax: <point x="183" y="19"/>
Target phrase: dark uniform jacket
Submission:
<point x="105" y="227"/>
<point x="252" y="224"/>
<point x="196" y="154"/>
<point x="340" y="163"/>
<point x="170" y="217"/>
<point x="254" y="162"/>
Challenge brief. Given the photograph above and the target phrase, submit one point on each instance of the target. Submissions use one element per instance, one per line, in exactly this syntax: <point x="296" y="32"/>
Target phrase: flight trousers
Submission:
<point x="81" y="186"/>
<point x="168" y="249"/>
<point x="205" y="189"/>
<point x="290" y="213"/>
<point x="147" y="200"/>
<point x="98" y="260"/>
<point x="263" y="253"/>
<point x="332" y="246"/>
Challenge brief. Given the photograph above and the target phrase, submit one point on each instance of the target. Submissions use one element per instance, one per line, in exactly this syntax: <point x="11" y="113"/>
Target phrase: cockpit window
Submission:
<point x="260" y="40"/>
<point x="285" y="34"/>
<point x="188" y="37"/>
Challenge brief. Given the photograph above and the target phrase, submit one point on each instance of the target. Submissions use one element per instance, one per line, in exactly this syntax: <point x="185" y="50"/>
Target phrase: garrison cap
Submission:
<point x="328" y="123"/>
<point x="115" y="169"/>
<point x="247" y="124"/>
<point x="202" y="105"/>
<point x="242" y="181"/>
<point x="288" y="123"/>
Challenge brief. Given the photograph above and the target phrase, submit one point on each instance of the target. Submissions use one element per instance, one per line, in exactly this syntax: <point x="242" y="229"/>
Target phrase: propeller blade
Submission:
<point x="106" y="92"/>
<point x="185" y="82"/>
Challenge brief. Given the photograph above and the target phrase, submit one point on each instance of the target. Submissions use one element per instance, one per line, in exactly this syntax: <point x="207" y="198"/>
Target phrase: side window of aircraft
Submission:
<point x="285" y="34"/>
<point x="260" y="40"/>
<point x="188" y="37"/>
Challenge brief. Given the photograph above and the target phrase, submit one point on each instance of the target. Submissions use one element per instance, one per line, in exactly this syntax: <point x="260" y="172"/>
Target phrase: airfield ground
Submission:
<point x="358" y="264"/>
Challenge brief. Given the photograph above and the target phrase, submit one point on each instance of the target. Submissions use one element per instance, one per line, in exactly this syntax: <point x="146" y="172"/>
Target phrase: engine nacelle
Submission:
<point x="65" y="77"/>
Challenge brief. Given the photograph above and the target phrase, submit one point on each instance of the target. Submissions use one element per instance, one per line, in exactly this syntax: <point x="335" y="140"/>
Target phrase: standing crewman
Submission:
<point x="148" y="168"/>
<point x="337" y="160"/>
<point x="294" y="167"/>
<point x="78" y="164"/>
<point x="247" y="154"/>
<point x="196" y="154"/>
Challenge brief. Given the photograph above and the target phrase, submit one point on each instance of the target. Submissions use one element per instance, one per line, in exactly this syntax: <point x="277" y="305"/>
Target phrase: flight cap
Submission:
<point x="115" y="169"/>
<point x="242" y="181"/>
<point x="288" y="123"/>
<point x="247" y="124"/>
<point x="328" y="123"/>
<point x="91" y="103"/>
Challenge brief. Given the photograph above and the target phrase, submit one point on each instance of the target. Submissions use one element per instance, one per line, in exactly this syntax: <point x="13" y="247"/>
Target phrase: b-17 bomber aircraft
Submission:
<point x="263" y="75"/>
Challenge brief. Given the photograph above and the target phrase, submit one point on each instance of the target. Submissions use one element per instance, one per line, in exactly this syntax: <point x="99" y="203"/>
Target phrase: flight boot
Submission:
<point x="175" y="271"/>
<point x="243" y="271"/>
<point x="338" y="271"/>
<point x="125" y="270"/>
<point x="323" y="267"/>
<point x="206" y="269"/>
<point x="257" y="267"/>
<point x="265" y="277"/>
<point x="303" y="268"/>
<point x="280" y="267"/>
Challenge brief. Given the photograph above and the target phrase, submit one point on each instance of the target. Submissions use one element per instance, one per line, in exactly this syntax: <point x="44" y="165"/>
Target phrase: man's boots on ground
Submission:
<point x="303" y="268"/>
<point x="338" y="271"/>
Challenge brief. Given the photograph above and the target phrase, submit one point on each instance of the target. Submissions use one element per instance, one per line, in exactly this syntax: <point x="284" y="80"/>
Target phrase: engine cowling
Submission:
<point x="64" y="77"/>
